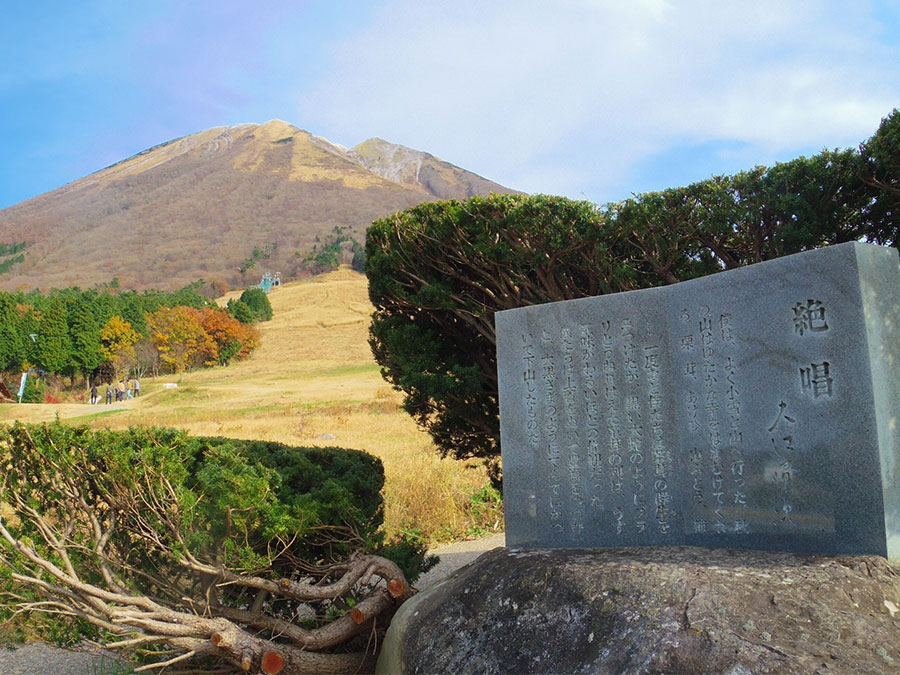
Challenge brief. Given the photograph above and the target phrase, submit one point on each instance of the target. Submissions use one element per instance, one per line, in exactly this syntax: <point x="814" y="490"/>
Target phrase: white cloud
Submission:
<point x="572" y="96"/>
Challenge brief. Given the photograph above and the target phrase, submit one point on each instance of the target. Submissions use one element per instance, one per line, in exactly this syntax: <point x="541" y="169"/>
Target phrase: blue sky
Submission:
<point x="592" y="99"/>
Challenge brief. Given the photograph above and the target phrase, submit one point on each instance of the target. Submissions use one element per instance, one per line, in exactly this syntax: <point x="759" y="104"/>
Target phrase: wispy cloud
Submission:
<point x="505" y="87"/>
<point x="588" y="98"/>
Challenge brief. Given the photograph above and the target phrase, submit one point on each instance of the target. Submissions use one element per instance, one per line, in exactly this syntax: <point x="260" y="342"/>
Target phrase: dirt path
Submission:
<point x="42" y="659"/>
<point x="456" y="555"/>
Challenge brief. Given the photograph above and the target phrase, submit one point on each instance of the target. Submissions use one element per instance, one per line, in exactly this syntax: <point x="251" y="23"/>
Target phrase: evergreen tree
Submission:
<point x="28" y="327"/>
<point x="34" y="390"/>
<point x="358" y="262"/>
<point x="53" y="348"/>
<point x="84" y="333"/>
<point x="134" y="308"/>
<point x="240" y="311"/>
<point x="103" y="305"/>
<point x="258" y="302"/>
<point x="12" y="347"/>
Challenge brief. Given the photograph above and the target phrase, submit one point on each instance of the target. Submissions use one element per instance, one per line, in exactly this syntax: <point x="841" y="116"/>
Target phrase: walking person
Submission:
<point x="94" y="394"/>
<point x="137" y="387"/>
<point x="108" y="395"/>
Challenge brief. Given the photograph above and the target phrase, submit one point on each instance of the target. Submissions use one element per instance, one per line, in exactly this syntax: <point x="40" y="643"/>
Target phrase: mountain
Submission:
<point x="206" y="205"/>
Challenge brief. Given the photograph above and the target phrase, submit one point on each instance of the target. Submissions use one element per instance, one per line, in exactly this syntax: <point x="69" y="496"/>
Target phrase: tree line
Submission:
<point x="100" y="335"/>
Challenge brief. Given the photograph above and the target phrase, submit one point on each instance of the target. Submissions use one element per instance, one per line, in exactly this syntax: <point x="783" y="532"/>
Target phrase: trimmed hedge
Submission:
<point x="438" y="271"/>
<point x="254" y="507"/>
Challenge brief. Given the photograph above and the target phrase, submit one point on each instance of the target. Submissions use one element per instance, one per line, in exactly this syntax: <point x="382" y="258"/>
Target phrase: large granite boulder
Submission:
<point x="652" y="610"/>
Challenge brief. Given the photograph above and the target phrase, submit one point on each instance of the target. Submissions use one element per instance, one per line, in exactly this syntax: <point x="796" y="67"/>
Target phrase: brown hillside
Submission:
<point x="197" y="206"/>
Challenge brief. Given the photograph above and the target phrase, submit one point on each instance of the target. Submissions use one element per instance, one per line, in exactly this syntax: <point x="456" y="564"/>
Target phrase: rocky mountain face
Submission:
<point x="418" y="169"/>
<point x="205" y="205"/>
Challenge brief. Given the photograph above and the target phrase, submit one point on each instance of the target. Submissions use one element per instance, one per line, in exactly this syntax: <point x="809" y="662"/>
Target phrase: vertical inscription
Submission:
<point x="815" y="378"/>
<point x="708" y="348"/>
<point x="551" y="429"/>
<point x="660" y="453"/>
<point x="735" y="434"/>
<point x="713" y="428"/>
<point x="613" y="437"/>
<point x="736" y="442"/>
<point x="591" y="413"/>
<point x="786" y="432"/>
<point x="781" y="470"/>
<point x="570" y="394"/>
<point x="635" y="426"/>
<point x="531" y="403"/>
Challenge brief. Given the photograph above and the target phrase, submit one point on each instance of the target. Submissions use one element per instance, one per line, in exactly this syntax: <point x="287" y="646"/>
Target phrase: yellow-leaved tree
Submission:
<point x="117" y="339"/>
<point x="179" y="337"/>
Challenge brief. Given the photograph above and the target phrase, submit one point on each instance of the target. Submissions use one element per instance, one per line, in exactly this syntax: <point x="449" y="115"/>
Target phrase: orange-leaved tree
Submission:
<point x="179" y="337"/>
<point x="234" y="340"/>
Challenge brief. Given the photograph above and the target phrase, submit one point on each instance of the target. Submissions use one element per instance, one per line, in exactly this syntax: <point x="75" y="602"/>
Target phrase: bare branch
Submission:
<point x="164" y="664"/>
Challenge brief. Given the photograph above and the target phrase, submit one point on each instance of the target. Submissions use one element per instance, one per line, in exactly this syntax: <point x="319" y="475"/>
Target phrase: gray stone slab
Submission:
<point x="756" y="408"/>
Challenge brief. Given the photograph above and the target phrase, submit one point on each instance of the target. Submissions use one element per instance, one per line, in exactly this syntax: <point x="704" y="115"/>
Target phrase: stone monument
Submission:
<point x="756" y="408"/>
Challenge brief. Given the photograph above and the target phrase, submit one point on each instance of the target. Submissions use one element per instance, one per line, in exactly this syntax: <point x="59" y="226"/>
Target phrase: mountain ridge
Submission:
<point x="197" y="206"/>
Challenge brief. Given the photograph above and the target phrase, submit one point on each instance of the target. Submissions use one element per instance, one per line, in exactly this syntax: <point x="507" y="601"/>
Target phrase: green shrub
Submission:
<point x="438" y="272"/>
<point x="194" y="525"/>
<point x="7" y="264"/>
<point x="326" y="489"/>
<point x="10" y="249"/>
<point x="258" y="303"/>
<point x="240" y="311"/>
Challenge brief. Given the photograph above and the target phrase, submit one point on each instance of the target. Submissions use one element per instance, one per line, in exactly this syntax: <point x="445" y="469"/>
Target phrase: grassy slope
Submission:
<point x="312" y="375"/>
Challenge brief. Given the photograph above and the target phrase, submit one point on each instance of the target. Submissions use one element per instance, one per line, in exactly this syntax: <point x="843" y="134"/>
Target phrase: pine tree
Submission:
<point x="84" y="334"/>
<point x="258" y="302"/>
<point x="12" y="348"/>
<point x="53" y="348"/>
<point x="28" y="327"/>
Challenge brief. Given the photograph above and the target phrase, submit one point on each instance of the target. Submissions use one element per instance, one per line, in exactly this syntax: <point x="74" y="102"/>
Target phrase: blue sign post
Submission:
<point x="22" y="386"/>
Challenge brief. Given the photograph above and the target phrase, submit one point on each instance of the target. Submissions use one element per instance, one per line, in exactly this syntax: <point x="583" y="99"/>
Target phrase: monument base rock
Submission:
<point x="652" y="610"/>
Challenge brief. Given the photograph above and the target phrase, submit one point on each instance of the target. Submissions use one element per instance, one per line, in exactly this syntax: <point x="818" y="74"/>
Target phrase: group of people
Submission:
<point x="122" y="390"/>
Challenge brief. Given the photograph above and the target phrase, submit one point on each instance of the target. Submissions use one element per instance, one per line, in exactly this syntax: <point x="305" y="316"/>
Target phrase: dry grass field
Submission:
<point x="312" y="381"/>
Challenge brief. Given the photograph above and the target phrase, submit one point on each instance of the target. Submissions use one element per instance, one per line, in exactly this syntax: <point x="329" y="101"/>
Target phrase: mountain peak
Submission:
<point x="406" y="166"/>
<point x="275" y="127"/>
<point x="395" y="162"/>
<point x="205" y="204"/>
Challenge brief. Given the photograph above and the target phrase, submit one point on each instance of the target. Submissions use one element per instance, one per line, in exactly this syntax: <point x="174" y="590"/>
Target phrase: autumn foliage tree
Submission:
<point x="179" y="337"/>
<point x="117" y="339"/>
<point x="232" y="339"/>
